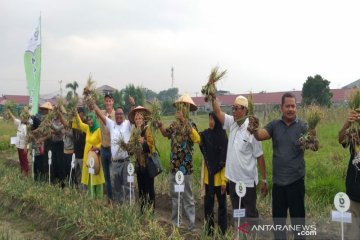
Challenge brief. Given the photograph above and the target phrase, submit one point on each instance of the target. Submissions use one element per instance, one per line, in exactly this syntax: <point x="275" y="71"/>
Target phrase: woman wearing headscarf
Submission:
<point x="141" y="144"/>
<point x="92" y="143"/>
<point x="213" y="147"/>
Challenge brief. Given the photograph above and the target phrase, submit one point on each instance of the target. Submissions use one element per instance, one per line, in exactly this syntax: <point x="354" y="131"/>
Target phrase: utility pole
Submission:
<point x="60" y="81"/>
<point x="172" y="77"/>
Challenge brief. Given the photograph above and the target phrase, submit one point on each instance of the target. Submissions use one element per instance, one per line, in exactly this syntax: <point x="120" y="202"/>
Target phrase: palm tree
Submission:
<point x="72" y="92"/>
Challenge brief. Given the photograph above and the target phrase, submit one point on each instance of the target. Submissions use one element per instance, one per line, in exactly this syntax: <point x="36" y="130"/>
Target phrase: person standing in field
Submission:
<point x="142" y="146"/>
<point x="244" y="153"/>
<point x="120" y="130"/>
<point x="288" y="165"/>
<point x="213" y="147"/>
<point x="21" y="143"/>
<point x="41" y="145"/>
<point x="105" y="151"/>
<point x="92" y="143"/>
<point x="352" y="230"/>
<point x="182" y="134"/>
<point x="79" y="147"/>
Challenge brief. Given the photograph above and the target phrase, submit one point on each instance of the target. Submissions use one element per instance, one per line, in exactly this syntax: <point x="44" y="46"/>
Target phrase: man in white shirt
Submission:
<point x="243" y="152"/>
<point x="120" y="130"/>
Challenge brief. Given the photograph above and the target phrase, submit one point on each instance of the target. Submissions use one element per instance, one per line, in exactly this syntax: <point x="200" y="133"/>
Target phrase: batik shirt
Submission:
<point x="183" y="137"/>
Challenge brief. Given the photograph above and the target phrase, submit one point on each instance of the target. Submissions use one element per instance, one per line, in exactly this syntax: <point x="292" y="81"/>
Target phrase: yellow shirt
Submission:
<point x="219" y="177"/>
<point x="93" y="139"/>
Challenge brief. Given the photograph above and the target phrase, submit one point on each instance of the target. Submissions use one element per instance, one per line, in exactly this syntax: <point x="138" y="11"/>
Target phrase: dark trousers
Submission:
<point x="58" y="165"/>
<point x="248" y="201"/>
<point x="288" y="197"/>
<point x="146" y="189"/>
<point x="106" y="162"/>
<point x="209" y="209"/>
<point x="41" y="165"/>
<point x="65" y="171"/>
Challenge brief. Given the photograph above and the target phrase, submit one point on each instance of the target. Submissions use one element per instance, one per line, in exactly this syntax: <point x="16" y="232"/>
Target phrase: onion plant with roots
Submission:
<point x="352" y="134"/>
<point x="309" y="140"/>
<point x="209" y="89"/>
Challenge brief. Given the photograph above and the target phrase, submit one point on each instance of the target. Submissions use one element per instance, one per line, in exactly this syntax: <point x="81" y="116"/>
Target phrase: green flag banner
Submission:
<point x="32" y="61"/>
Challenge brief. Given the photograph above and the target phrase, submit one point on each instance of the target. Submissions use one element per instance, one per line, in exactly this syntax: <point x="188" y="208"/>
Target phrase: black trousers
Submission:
<point x="248" y="201"/>
<point x="41" y="165"/>
<point x="209" y="209"/>
<point x="58" y="165"/>
<point x="288" y="197"/>
<point x="146" y="189"/>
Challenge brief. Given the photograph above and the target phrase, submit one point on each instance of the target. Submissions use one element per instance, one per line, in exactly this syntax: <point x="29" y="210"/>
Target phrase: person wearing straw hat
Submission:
<point x="120" y="130"/>
<point x="182" y="134"/>
<point x="92" y="144"/>
<point x="243" y="155"/>
<point x="141" y="144"/>
<point x="42" y="145"/>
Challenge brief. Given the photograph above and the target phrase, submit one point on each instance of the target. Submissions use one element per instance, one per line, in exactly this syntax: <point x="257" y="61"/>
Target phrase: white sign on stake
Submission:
<point x="13" y="140"/>
<point x="33" y="155"/>
<point x="49" y="161"/>
<point x="179" y="188"/>
<point x="342" y="202"/>
<point x="238" y="213"/>
<point x="130" y="179"/>
<point x="179" y="177"/>
<point x="91" y="171"/>
<point x="73" y="161"/>
<point x="240" y="189"/>
<point x="91" y="162"/>
<point x="336" y="216"/>
<point x="130" y="169"/>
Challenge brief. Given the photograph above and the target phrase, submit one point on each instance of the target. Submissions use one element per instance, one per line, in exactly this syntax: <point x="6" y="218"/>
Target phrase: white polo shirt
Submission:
<point x="242" y="153"/>
<point x="118" y="132"/>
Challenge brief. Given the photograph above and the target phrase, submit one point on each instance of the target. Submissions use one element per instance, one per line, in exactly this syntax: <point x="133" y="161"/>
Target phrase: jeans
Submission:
<point x="106" y="162"/>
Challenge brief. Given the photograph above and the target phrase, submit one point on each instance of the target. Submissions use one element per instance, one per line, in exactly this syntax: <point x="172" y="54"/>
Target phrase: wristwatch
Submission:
<point x="264" y="181"/>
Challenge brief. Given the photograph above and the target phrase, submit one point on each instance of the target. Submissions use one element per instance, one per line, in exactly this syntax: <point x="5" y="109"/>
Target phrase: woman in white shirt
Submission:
<point x="21" y="144"/>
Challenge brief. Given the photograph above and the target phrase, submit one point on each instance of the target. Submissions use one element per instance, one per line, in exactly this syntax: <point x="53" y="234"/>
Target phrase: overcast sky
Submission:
<point x="271" y="45"/>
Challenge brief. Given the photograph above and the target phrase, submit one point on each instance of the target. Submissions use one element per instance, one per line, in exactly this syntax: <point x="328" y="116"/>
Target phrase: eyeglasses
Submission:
<point x="235" y="108"/>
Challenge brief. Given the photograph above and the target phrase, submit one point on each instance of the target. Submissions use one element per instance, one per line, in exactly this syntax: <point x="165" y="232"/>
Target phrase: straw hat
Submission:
<point x="241" y="100"/>
<point x="47" y="105"/>
<point x="92" y="154"/>
<point x="186" y="99"/>
<point x="132" y="113"/>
